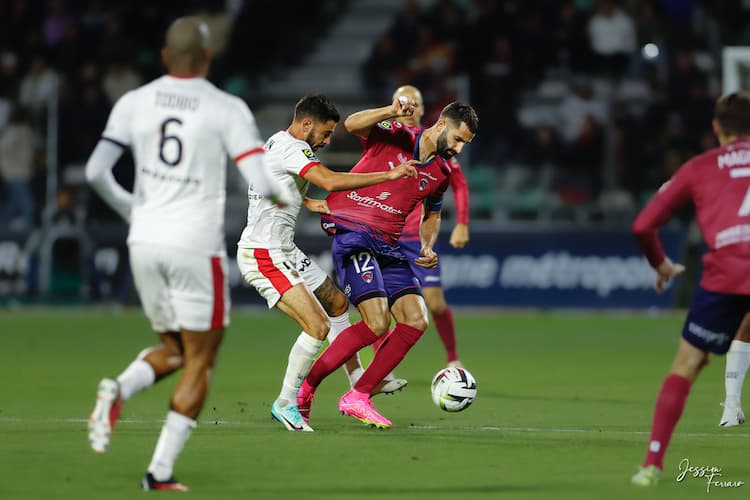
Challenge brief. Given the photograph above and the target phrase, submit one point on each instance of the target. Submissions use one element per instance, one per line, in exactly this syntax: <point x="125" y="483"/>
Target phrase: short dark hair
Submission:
<point x="459" y="112"/>
<point x="732" y="111"/>
<point x="317" y="107"/>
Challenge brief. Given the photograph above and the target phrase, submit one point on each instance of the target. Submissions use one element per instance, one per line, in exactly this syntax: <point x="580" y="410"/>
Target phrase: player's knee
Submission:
<point x="437" y="307"/>
<point x="417" y="320"/>
<point x="339" y="305"/>
<point x="379" y="325"/>
<point x="319" y="329"/>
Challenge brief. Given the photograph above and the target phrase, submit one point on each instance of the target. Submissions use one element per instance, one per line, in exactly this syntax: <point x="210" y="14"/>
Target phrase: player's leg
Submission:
<point x="432" y="290"/>
<point x="336" y="306"/>
<point x="738" y="361"/>
<point x="199" y="296"/>
<point x="434" y="297"/>
<point x="410" y="313"/>
<point x="280" y="276"/>
<point x="151" y="364"/>
<point x="710" y="314"/>
<point x="200" y="350"/>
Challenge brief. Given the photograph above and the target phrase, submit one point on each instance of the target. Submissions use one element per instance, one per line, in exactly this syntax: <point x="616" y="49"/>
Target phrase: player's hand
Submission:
<point x="403" y="106"/>
<point x="316" y="206"/>
<point x="427" y="258"/>
<point x="404" y="170"/>
<point x="665" y="272"/>
<point x="460" y="236"/>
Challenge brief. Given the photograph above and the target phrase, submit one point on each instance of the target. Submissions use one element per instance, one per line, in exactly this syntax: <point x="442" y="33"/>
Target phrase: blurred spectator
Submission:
<point x="577" y="109"/>
<point x="55" y="24"/>
<point x="120" y="78"/>
<point x="570" y="42"/>
<point x="612" y="36"/>
<point x="378" y="69"/>
<point x="38" y="85"/>
<point x="17" y="169"/>
<point x="406" y="25"/>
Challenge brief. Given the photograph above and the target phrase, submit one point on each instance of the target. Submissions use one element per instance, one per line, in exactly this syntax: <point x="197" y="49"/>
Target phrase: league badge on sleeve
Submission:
<point x="309" y="153"/>
<point x="385" y="125"/>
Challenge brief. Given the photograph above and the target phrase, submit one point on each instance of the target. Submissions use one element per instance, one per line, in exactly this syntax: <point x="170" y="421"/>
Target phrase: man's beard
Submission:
<point x="442" y="147"/>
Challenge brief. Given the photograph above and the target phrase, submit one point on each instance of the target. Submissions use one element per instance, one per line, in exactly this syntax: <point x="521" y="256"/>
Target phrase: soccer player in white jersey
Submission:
<point x="180" y="129"/>
<point x="271" y="262"/>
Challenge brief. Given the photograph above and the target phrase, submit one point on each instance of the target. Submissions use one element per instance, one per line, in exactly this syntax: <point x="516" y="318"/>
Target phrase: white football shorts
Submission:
<point x="273" y="271"/>
<point x="180" y="289"/>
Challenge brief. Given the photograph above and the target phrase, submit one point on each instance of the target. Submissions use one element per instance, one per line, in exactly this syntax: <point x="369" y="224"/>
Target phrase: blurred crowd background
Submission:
<point x="585" y="106"/>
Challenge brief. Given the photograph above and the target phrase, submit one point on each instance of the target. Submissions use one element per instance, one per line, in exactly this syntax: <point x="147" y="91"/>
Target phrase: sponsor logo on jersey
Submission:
<point x="348" y="290"/>
<point x="369" y="202"/>
<point x="383" y="196"/>
<point x="422" y="184"/>
<point x="367" y="276"/>
<point x="309" y="153"/>
<point x="385" y="124"/>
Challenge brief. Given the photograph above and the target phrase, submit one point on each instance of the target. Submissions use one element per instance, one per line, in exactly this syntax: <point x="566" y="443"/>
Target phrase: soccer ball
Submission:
<point x="453" y="389"/>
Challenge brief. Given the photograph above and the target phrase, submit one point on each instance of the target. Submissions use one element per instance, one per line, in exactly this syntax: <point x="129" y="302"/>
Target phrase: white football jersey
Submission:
<point x="268" y="226"/>
<point x="181" y="131"/>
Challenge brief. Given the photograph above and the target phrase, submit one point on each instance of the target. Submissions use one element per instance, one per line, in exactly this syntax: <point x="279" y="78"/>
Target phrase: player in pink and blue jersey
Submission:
<point x="366" y="225"/>
<point x="717" y="183"/>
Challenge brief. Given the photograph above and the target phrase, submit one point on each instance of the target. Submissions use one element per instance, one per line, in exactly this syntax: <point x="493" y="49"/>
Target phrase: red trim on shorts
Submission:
<point x="308" y="167"/>
<point x="251" y="152"/>
<point x="217" y="273"/>
<point x="270" y="271"/>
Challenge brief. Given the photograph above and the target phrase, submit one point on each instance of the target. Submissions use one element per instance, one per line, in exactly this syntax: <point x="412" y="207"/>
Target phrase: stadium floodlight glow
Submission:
<point x="650" y="51"/>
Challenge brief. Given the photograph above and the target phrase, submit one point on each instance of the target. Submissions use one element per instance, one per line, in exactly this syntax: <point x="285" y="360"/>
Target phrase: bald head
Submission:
<point x="185" y="49"/>
<point x="414" y="94"/>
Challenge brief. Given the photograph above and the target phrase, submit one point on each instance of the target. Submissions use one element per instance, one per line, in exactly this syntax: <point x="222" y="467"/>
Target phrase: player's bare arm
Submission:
<point x="330" y="180"/>
<point x="361" y="122"/>
<point x="428" y="233"/>
<point x="459" y="236"/>
<point x="316" y="206"/>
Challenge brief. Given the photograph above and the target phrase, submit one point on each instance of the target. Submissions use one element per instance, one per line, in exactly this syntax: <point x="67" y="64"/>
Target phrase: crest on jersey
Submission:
<point x="309" y="153"/>
<point x="402" y="158"/>
<point x="397" y="124"/>
<point x="367" y="276"/>
<point x="385" y="124"/>
<point x="422" y="184"/>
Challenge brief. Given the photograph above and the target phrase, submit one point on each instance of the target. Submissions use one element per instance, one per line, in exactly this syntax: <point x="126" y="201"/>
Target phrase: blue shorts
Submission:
<point x="366" y="269"/>
<point x="713" y="319"/>
<point x="426" y="277"/>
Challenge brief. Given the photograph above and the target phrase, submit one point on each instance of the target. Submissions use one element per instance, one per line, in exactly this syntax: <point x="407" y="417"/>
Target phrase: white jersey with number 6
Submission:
<point x="181" y="131"/>
<point x="268" y="226"/>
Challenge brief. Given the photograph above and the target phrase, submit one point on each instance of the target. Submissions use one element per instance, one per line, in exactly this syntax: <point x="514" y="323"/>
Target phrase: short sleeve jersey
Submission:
<point x="381" y="209"/>
<point x="718" y="184"/>
<point x="268" y="226"/>
<point x="181" y="131"/>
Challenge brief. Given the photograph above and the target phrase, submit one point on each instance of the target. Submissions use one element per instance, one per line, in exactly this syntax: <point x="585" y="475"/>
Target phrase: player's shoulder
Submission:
<point x="721" y="156"/>
<point x="396" y="127"/>
<point x="283" y="140"/>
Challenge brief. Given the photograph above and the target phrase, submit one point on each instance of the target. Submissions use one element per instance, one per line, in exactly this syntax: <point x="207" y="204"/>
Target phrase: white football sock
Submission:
<point x="738" y="360"/>
<point x="301" y="358"/>
<point x="338" y="325"/>
<point x="174" y="433"/>
<point x="136" y="377"/>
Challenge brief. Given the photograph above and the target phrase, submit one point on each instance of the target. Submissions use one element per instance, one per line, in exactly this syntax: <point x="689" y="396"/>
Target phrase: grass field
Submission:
<point x="563" y="411"/>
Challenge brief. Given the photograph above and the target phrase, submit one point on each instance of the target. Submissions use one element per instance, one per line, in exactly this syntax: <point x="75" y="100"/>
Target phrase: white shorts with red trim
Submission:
<point x="273" y="271"/>
<point x="179" y="289"/>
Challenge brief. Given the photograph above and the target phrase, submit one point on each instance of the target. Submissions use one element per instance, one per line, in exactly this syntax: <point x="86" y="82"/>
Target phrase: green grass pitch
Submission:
<point x="563" y="410"/>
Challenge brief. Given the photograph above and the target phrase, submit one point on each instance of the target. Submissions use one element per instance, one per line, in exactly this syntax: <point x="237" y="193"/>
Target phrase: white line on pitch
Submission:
<point x="485" y="428"/>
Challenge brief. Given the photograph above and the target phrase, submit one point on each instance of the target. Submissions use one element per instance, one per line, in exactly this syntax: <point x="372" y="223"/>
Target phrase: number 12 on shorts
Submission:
<point x="364" y="258"/>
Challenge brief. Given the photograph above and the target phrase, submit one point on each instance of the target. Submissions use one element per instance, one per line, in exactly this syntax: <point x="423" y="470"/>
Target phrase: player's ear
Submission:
<point x="165" y="56"/>
<point x="716" y="128"/>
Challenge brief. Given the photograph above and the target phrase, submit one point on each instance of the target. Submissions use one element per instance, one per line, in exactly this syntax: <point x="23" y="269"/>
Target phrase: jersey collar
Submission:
<point x="416" y="152"/>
